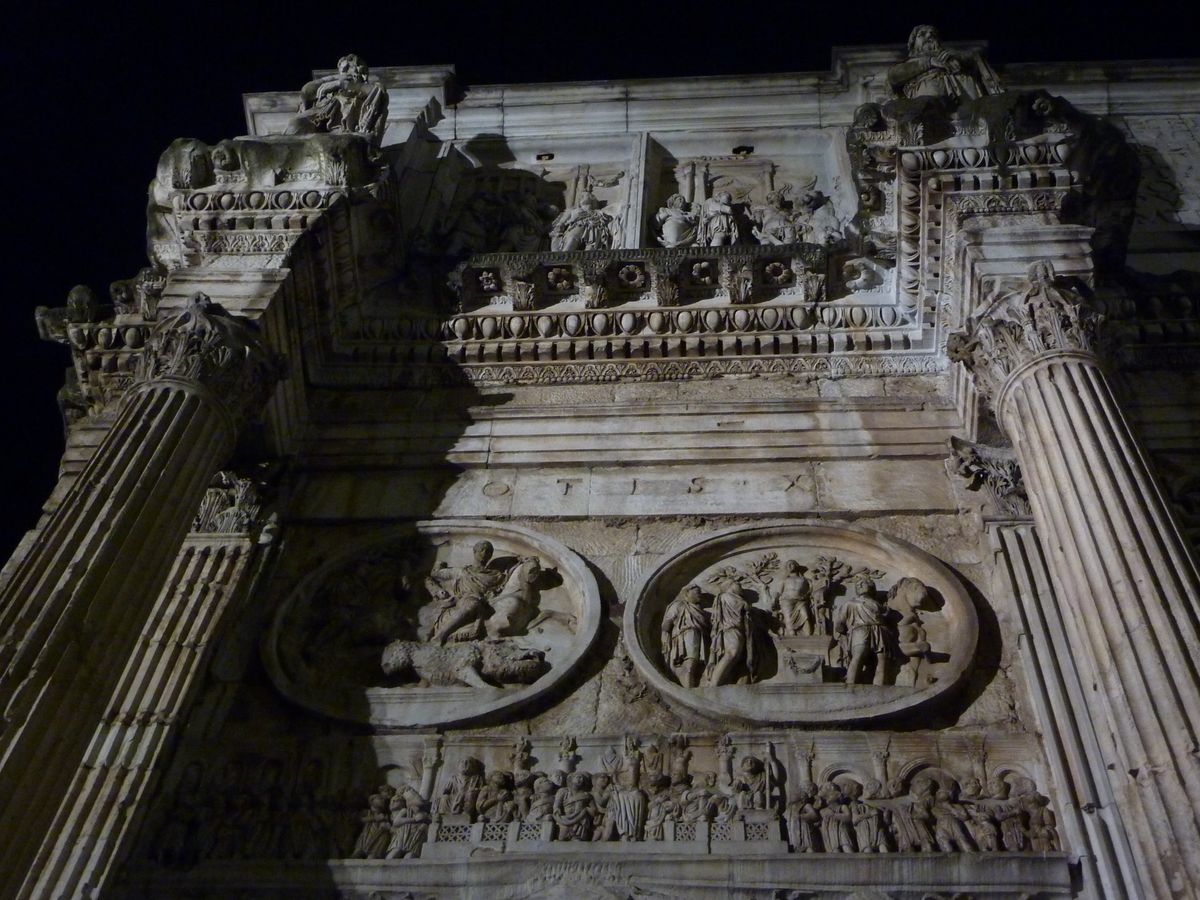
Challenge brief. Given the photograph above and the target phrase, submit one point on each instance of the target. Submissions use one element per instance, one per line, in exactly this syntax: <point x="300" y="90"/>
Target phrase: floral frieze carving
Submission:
<point x="445" y="623"/>
<point x="796" y="623"/>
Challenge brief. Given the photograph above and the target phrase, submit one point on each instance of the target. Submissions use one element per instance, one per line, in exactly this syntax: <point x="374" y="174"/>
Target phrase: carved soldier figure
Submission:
<point x="460" y="795"/>
<point x="1011" y="816"/>
<point x="627" y="807"/>
<point x="575" y="808"/>
<point x="1043" y="826"/>
<point x="750" y="784"/>
<point x="541" y="808"/>
<point x="860" y="622"/>
<point x="837" y="822"/>
<point x="718" y="225"/>
<point x="582" y="227"/>
<point x="684" y="636"/>
<point x="867" y="818"/>
<point x="933" y="71"/>
<point x="662" y="806"/>
<point x="495" y="800"/>
<point x="804" y="821"/>
<point x="982" y="828"/>
<point x="796" y="602"/>
<point x="678" y="220"/>
<point x="376" y="834"/>
<point x="602" y="793"/>
<point x="921" y="814"/>
<point x="732" y="640"/>
<point x="410" y="823"/>
<point x="950" y="829"/>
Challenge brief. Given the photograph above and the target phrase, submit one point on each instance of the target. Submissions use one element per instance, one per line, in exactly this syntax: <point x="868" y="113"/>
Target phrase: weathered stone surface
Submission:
<point x="624" y="523"/>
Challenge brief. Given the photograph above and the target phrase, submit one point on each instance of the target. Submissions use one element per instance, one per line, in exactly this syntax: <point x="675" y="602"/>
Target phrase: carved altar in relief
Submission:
<point x="442" y="624"/>
<point x="802" y="623"/>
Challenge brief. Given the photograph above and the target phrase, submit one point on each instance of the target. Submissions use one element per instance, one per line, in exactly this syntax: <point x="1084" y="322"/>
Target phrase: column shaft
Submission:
<point x="1131" y="595"/>
<point x="93" y="827"/>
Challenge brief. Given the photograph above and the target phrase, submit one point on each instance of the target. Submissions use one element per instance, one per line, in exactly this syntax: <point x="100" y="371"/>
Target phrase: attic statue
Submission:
<point x="345" y="103"/>
<point x="931" y="70"/>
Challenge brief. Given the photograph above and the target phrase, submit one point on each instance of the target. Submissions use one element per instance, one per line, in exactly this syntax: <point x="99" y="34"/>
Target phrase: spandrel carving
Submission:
<point x="443" y="624"/>
<point x="821" y="625"/>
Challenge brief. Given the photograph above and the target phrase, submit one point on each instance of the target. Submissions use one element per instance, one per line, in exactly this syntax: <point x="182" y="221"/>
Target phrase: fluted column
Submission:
<point x="71" y="612"/>
<point x="1129" y="585"/>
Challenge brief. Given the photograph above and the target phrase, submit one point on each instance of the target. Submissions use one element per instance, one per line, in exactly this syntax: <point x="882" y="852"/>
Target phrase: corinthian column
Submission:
<point x="1128" y="582"/>
<point x="71" y="612"/>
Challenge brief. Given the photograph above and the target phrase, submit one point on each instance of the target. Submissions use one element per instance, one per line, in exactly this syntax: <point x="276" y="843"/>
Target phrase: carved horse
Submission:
<point x="514" y="607"/>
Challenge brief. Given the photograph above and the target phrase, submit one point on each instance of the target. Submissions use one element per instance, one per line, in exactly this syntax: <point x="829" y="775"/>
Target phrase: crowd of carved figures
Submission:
<point x="828" y="610"/>
<point x="724" y="221"/>
<point x="642" y="790"/>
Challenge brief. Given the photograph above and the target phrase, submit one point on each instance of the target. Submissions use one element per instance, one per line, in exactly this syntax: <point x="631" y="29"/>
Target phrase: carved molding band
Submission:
<point x="801" y="623"/>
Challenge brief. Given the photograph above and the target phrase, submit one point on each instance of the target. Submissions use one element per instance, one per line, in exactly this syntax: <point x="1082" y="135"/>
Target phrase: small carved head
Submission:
<point x="589" y="201"/>
<point x="924" y="39"/>
<point x="677" y="201"/>
<point x="723" y="197"/>
<point x="751" y="765"/>
<point x="470" y="766"/>
<point x="581" y="781"/>
<point x="352" y="64"/>
<point x="482" y="552"/>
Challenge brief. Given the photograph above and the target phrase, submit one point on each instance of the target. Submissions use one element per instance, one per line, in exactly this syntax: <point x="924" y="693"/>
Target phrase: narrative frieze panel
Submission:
<point x="802" y="623"/>
<point x="443" y="623"/>
<point x="727" y="794"/>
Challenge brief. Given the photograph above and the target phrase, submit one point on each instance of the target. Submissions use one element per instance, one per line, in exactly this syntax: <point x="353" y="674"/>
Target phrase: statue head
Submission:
<point x="470" y="766"/>
<point x="589" y="201"/>
<point x="677" y="202"/>
<point x="1040" y="273"/>
<point x="602" y="780"/>
<point x="853" y="790"/>
<point x="908" y="593"/>
<point x="482" y="551"/>
<point x="924" y="39"/>
<point x="775" y="199"/>
<point x="352" y="64"/>
<point x="792" y="567"/>
<point x="692" y="593"/>
<point x="501" y="780"/>
<point x="751" y="765"/>
<point x="580" y="781"/>
<point x="723" y="197"/>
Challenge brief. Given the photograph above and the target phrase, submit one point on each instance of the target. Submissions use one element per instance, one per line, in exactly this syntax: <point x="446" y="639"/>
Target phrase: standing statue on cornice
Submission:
<point x="345" y="103"/>
<point x="931" y="70"/>
<point x="583" y="227"/>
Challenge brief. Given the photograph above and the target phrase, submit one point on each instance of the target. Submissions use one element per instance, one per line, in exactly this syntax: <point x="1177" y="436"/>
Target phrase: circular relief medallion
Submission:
<point x="802" y="623"/>
<point x="443" y="623"/>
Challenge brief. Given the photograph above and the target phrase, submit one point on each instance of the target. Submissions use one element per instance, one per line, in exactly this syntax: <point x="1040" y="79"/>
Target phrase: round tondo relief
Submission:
<point x="802" y="623"/>
<point x="444" y="623"/>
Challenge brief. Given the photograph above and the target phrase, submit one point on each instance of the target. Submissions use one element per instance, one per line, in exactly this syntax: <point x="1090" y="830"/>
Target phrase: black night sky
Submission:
<point x="95" y="92"/>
